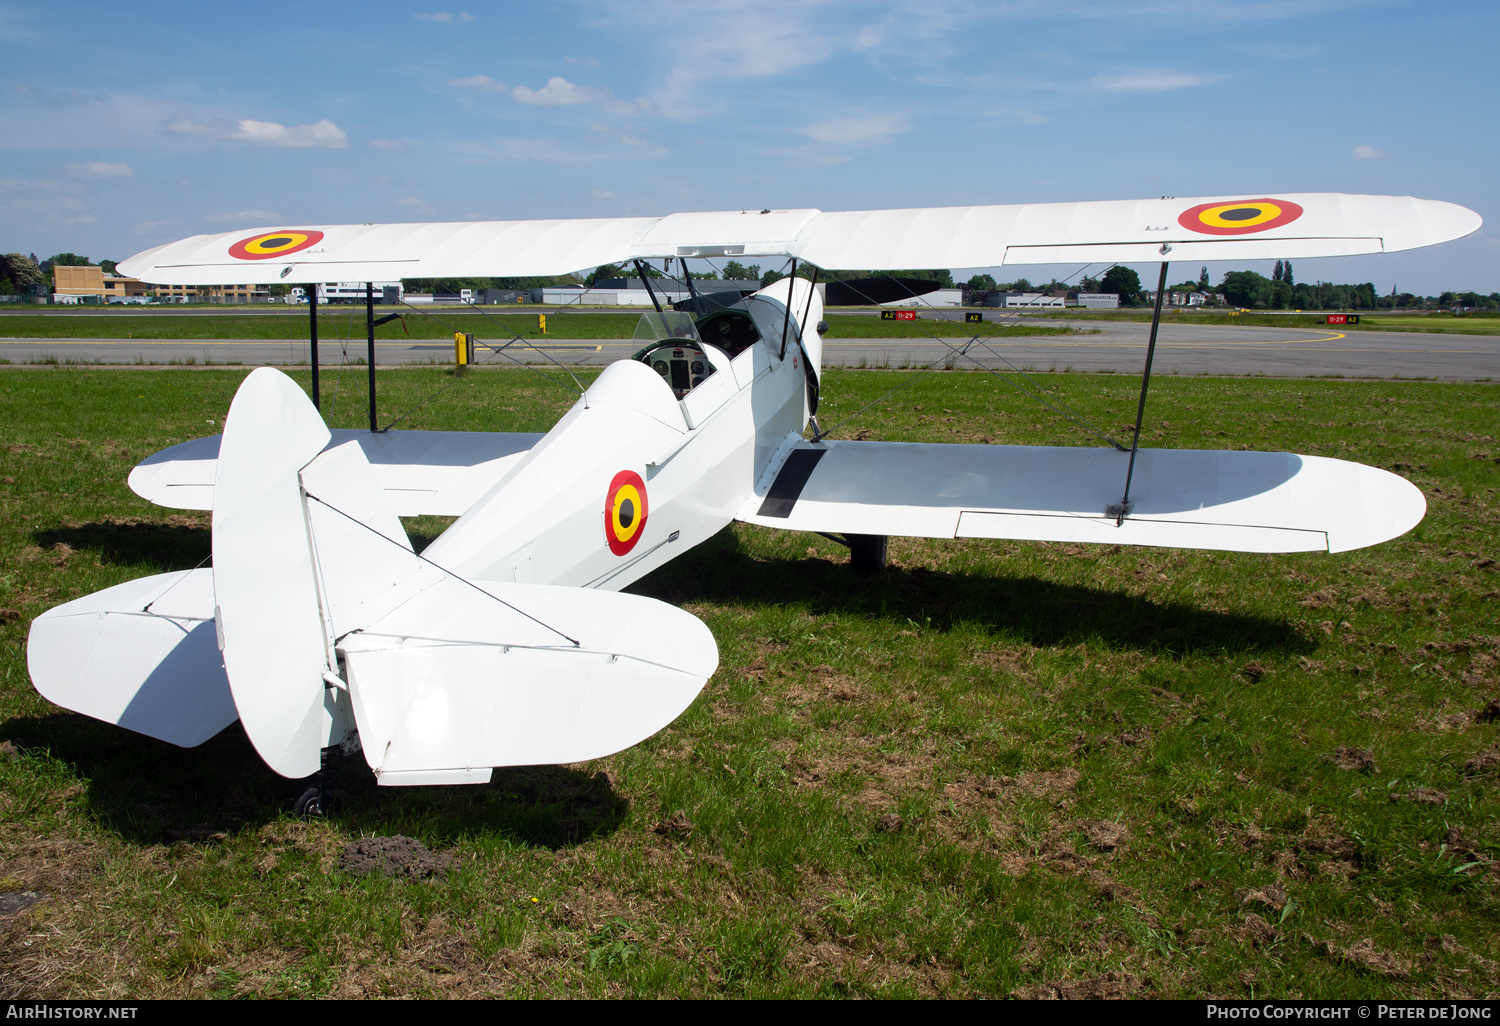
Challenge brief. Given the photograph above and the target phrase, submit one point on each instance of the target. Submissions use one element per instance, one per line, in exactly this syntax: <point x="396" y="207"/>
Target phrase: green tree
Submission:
<point x="1248" y="289"/>
<point x="1286" y="273"/>
<point x="604" y="271"/>
<point x="23" y="270"/>
<point x="108" y="266"/>
<point x="1124" y="282"/>
<point x="980" y="283"/>
<point x="67" y="260"/>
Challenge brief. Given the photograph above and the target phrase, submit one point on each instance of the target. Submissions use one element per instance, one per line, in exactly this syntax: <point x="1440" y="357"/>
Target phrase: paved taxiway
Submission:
<point x="1118" y="347"/>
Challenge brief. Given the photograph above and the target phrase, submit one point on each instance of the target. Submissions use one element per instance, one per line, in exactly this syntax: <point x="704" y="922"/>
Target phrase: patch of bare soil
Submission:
<point x="1109" y="888"/>
<point x="1257" y="931"/>
<point x="1015" y="662"/>
<point x="1482" y="763"/>
<point x="394" y="856"/>
<point x="676" y="826"/>
<point x="1357" y="760"/>
<point x="1271" y="896"/>
<point x="1113" y="985"/>
<point x="1103" y="835"/>
<point x="824" y="683"/>
<point x="1362" y="954"/>
<point x="1422" y="796"/>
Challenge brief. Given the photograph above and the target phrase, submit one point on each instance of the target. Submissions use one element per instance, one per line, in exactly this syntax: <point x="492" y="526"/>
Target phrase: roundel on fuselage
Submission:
<point x="625" y="511"/>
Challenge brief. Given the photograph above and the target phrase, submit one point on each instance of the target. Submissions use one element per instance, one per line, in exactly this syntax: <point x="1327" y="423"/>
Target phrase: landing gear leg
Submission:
<point x="866" y="552"/>
<point x="314" y="801"/>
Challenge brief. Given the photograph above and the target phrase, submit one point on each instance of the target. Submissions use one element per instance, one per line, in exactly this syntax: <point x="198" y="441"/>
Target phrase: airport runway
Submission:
<point x="1117" y="347"/>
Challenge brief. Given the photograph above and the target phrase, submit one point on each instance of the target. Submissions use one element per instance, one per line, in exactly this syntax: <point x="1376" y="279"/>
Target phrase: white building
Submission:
<point x="941" y="297"/>
<point x="1025" y="301"/>
<point x="354" y="292"/>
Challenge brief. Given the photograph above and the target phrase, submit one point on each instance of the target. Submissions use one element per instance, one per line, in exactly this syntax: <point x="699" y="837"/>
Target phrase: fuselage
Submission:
<point x="633" y="475"/>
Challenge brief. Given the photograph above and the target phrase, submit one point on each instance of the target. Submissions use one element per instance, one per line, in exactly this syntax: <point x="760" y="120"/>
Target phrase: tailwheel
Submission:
<point x="866" y="552"/>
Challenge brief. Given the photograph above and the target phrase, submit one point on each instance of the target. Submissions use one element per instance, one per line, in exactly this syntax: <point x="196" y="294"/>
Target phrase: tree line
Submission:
<point x="1246" y="289"/>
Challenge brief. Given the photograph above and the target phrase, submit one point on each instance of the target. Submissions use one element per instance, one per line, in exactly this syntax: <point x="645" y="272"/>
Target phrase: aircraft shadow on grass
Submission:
<point x="151" y="792"/>
<point x="1043" y="613"/>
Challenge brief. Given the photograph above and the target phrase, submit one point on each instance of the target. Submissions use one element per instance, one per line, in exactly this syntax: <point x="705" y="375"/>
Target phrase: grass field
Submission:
<point x="1481" y="323"/>
<point x="996" y="769"/>
<point x="349" y="322"/>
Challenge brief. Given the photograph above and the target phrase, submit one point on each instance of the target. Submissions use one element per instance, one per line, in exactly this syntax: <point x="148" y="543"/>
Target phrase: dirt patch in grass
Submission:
<point x="1357" y="760"/>
<point x="394" y="856"/>
<point x="1113" y="985"/>
<point x="1364" y="955"/>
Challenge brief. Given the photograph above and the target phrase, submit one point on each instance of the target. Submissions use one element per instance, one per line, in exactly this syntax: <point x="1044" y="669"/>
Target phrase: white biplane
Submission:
<point x="507" y="640"/>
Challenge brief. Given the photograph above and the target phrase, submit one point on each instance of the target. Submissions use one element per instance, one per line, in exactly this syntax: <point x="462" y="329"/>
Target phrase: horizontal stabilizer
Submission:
<point x="424" y="473"/>
<point x="141" y="655"/>
<point x="1180" y="498"/>
<point x="467" y="676"/>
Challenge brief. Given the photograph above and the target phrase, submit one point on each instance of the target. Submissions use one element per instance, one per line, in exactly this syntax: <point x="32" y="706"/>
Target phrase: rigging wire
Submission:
<point x="495" y="351"/>
<point x="963" y="351"/>
<point x="438" y="566"/>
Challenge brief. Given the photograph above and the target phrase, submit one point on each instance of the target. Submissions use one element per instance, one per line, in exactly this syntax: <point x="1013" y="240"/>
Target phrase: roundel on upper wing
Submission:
<point x="267" y="245"/>
<point x="625" y="511"/>
<point x="1242" y="217"/>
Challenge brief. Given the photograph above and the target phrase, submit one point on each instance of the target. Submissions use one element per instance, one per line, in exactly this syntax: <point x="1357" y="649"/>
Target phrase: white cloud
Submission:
<point x="244" y="217"/>
<point x="416" y="205"/>
<point x="479" y="83"/>
<point x="394" y="145"/>
<point x="444" y="18"/>
<point x="101" y="169"/>
<point x="1150" y="81"/>
<point x="1367" y="153"/>
<point x="322" y="134"/>
<point x="592" y="62"/>
<point x="559" y="92"/>
<point x="857" y="130"/>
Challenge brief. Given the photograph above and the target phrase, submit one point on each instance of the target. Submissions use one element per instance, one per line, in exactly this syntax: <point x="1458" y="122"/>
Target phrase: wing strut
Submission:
<point x="1121" y="511"/>
<point x="312" y="337"/>
<point x="646" y="281"/>
<point x="786" y="320"/>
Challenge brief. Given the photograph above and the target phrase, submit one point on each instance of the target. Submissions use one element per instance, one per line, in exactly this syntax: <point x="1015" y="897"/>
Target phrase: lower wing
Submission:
<point x="438" y="473"/>
<point x="1179" y="498"/>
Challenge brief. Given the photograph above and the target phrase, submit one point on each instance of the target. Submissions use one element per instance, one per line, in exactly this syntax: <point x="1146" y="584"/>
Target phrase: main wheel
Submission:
<point x="866" y="552"/>
<point x="311" y="802"/>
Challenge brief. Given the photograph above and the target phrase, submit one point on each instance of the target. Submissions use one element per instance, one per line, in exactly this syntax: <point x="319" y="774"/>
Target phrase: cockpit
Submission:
<point x="673" y="344"/>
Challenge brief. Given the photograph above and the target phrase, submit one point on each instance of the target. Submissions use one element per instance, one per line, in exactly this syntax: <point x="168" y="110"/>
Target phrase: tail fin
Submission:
<point x="329" y="622"/>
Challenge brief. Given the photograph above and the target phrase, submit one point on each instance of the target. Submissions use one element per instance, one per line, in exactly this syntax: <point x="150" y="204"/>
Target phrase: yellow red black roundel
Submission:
<point x="269" y="245"/>
<point x="1240" y="217"/>
<point x="625" y="511"/>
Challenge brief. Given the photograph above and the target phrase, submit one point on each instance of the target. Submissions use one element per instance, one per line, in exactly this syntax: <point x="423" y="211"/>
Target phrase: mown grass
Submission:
<point x="349" y="322"/>
<point x="995" y="769"/>
<point x="1437" y="322"/>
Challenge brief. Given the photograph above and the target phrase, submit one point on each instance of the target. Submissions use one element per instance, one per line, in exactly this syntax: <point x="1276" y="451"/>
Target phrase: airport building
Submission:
<point x="1099" y="300"/>
<point x="1025" y="301"/>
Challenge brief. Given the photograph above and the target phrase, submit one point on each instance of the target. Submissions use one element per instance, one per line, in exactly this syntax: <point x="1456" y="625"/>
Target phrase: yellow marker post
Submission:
<point x="541" y="322"/>
<point x="460" y="348"/>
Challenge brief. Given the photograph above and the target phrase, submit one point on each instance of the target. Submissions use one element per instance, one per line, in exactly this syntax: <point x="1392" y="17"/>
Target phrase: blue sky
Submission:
<point x="123" y="127"/>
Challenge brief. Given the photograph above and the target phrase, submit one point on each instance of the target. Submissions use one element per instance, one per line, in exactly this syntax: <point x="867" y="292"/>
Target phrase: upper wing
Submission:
<point x="1291" y="225"/>
<point x="1180" y="498"/>
<point x="439" y="473"/>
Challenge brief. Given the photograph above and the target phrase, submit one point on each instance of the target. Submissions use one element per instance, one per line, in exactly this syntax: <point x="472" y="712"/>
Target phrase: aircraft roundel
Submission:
<point x="1242" y="217"/>
<point x="268" y="245"/>
<point x="625" y="511"/>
